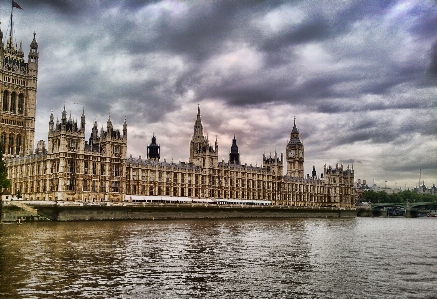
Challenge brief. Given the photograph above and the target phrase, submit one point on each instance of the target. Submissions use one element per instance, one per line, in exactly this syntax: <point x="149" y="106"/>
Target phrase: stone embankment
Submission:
<point x="79" y="212"/>
<point x="16" y="211"/>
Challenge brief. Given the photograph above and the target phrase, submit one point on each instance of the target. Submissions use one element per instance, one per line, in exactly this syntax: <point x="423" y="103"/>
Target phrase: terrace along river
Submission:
<point x="233" y="258"/>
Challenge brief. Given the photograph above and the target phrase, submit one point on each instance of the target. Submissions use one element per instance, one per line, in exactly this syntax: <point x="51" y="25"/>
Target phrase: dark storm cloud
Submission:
<point x="350" y="161"/>
<point x="67" y="8"/>
<point x="203" y="30"/>
<point x="350" y="70"/>
<point x="425" y="26"/>
<point x="314" y="30"/>
<point x="411" y="166"/>
<point x="433" y="64"/>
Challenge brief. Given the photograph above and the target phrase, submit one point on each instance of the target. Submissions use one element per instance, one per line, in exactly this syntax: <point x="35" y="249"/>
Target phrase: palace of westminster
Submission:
<point x="71" y="168"/>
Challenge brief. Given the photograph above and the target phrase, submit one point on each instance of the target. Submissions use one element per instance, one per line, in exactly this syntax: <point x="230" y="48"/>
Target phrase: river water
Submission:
<point x="244" y="258"/>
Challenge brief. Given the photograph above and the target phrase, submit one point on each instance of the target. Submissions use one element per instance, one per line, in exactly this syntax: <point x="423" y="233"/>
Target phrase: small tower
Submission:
<point x="82" y="121"/>
<point x="18" y="96"/>
<point x="201" y="152"/>
<point x="125" y="129"/>
<point x="51" y="122"/>
<point x="295" y="154"/>
<point x="109" y="126"/>
<point x="153" y="150"/>
<point x="314" y="173"/>
<point x="234" y="155"/>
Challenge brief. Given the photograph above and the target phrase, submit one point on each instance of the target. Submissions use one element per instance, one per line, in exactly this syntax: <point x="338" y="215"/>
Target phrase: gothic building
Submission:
<point x="72" y="168"/>
<point x="18" y="82"/>
<point x="234" y="155"/>
<point x="153" y="150"/>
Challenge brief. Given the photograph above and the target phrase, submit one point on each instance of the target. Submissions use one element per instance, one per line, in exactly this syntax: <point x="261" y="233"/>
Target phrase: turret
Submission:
<point x="234" y="155"/>
<point x="82" y="121"/>
<point x="153" y="150"/>
<point x="125" y="129"/>
<point x="51" y="122"/>
<point x="109" y="126"/>
<point x="33" y="52"/>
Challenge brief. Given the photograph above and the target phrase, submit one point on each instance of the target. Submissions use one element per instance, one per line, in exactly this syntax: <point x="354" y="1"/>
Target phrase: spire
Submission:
<point x="64" y="115"/>
<point x="153" y="149"/>
<point x="82" y="120"/>
<point x="109" y="125"/>
<point x="234" y="155"/>
<point x="125" y="128"/>
<point x="51" y="122"/>
<point x="34" y="44"/>
<point x="20" y="50"/>
<point x="198" y="127"/>
<point x="295" y="130"/>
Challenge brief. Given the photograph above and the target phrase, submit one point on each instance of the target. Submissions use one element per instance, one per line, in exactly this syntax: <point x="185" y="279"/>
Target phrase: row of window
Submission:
<point x="12" y="122"/>
<point x="14" y="81"/>
<point x="71" y="167"/>
<point x="11" y="104"/>
<point x="40" y="186"/>
<point x="11" y="145"/>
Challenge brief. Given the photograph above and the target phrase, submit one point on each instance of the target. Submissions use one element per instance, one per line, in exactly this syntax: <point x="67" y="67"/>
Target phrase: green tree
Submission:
<point x="370" y="196"/>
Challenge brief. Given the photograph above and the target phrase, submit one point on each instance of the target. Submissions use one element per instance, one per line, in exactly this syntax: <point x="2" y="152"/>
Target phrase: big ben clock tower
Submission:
<point x="295" y="154"/>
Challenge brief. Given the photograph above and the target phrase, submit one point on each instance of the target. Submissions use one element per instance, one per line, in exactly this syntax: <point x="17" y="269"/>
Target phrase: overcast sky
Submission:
<point x="359" y="76"/>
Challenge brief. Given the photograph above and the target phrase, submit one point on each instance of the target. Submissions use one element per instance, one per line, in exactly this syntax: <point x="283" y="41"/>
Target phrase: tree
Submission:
<point x="4" y="182"/>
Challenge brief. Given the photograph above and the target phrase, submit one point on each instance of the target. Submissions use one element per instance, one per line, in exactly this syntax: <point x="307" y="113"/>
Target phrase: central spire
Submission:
<point x="198" y="127"/>
<point x="295" y="130"/>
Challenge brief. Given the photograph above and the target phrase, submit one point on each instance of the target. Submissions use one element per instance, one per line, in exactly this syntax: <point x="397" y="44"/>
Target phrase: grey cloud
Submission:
<point x="433" y="64"/>
<point x="337" y="89"/>
<point x="350" y="161"/>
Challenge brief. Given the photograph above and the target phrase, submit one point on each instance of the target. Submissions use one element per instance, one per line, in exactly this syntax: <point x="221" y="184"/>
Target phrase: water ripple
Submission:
<point x="299" y="258"/>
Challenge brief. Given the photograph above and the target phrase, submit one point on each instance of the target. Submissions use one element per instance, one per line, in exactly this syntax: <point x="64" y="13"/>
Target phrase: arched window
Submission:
<point x="13" y="102"/>
<point x="18" y="145"/>
<point x="20" y="103"/>
<point x="11" y="145"/>
<point x="3" y="142"/>
<point x="5" y="100"/>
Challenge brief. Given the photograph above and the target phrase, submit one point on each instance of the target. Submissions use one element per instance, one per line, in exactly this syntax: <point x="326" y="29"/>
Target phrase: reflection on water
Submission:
<point x="299" y="258"/>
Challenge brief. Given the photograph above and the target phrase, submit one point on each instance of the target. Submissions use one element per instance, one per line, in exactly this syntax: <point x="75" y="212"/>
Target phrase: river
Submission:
<point x="234" y="258"/>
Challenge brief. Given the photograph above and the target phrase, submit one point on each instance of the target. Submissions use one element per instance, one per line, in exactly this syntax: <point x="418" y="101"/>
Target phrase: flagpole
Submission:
<point x="10" y="33"/>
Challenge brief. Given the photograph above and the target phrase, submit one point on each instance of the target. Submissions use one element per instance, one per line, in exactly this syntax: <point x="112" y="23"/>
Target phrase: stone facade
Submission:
<point x="18" y="82"/>
<point x="73" y="169"/>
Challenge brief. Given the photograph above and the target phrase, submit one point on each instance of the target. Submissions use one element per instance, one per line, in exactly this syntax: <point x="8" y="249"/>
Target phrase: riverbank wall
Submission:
<point x="169" y="211"/>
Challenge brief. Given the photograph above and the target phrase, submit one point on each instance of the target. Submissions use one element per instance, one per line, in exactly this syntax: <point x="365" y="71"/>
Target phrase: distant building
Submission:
<point x="424" y="190"/>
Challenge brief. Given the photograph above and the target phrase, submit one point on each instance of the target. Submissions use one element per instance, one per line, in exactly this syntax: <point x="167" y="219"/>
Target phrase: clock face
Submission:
<point x="291" y="154"/>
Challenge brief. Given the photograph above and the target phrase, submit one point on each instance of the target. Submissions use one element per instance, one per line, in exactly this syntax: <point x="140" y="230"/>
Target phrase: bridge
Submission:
<point x="408" y="209"/>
